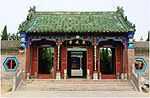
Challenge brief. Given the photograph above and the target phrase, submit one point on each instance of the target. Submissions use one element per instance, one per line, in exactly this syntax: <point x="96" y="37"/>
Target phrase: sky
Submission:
<point x="14" y="12"/>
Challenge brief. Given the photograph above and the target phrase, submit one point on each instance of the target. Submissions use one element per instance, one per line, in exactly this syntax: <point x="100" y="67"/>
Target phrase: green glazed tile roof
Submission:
<point x="67" y="22"/>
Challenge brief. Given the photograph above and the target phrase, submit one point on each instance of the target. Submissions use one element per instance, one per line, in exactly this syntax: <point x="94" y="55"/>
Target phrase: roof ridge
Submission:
<point x="72" y="13"/>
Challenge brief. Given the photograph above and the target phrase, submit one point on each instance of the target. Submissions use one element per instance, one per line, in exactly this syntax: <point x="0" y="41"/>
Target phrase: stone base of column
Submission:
<point x="58" y="76"/>
<point x="122" y="76"/>
<point x="65" y="74"/>
<point x="125" y="76"/>
<point x="36" y="76"/>
<point x="28" y="76"/>
<point x="117" y="77"/>
<point x="88" y="74"/>
<point x="95" y="76"/>
<point x="100" y="75"/>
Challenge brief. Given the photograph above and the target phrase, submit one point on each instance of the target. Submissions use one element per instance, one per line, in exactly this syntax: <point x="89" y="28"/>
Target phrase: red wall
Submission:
<point x="63" y="59"/>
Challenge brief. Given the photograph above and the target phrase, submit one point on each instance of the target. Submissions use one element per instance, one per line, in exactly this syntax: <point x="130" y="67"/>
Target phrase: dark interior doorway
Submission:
<point x="45" y="60"/>
<point x="76" y="64"/>
<point x="107" y="61"/>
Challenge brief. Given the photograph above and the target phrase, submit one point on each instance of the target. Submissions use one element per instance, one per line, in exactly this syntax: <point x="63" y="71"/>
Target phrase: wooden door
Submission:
<point x="119" y="60"/>
<point x="34" y="60"/>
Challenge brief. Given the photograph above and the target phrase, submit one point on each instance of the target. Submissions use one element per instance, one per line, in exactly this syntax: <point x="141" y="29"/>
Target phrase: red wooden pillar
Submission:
<point x="58" y="55"/>
<point x="87" y="54"/>
<point x="55" y="60"/>
<point x="28" y="65"/>
<point x="58" y="68"/>
<point x="95" y="53"/>
<point x="63" y="60"/>
<point x="125" y="56"/>
<point x="95" y="74"/>
<point x="90" y="60"/>
<point x="98" y="60"/>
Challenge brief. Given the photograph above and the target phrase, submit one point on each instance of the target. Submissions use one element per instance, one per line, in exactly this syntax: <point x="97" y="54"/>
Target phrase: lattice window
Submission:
<point x="11" y="64"/>
<point x="139" y="65"/>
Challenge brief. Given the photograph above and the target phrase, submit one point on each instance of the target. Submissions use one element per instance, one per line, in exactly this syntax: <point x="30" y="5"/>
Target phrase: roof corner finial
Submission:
<point x="31" y="12"/>
<point x="32" y="9"/>
<point x="121" y="11"/>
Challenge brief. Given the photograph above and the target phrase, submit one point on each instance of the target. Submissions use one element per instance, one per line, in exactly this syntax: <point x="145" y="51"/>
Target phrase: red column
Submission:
<point x="58" y="44"/>
<point x="87" y="53"/>
<point x="125" y="55"/>
<point x="90" y="60"/>
<point x="95" y="44"/>
<point x="55" y="60"/>
<point x="63" y="60"/>
<point x="28" y="68"/>
<point x="58" y="41"/>
<point x="98" y="60"/>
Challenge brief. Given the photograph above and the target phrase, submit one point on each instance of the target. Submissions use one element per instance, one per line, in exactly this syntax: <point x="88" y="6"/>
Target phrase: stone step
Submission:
<point x="76" y="88"/>
<point x="76" y="85"/>
<point x="77" y="80"/>
<point x="100" y="84"/>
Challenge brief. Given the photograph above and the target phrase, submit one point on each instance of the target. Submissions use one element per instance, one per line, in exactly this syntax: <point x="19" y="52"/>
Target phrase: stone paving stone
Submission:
<point x="90" y="94"/>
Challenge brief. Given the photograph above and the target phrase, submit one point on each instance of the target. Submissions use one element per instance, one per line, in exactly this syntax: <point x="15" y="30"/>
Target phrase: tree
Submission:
<point x="148" y="36"/>
<point x="46" y="60"/>
<point x="141" y="38"/>
<point x="106" y="61"/>
<point x="13" y="36"/>
<point x="4" y="34"/>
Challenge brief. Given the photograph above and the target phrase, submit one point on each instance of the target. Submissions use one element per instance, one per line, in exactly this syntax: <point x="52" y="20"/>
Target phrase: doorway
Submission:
<point x="76" y="64"/>
<point x="45" y="62"/>
<point x="108" y="62"/>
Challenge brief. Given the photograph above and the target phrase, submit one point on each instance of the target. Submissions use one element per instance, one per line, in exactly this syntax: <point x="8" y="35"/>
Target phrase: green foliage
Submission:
<point x="148" y="36"/>
<point x="144" y="90"/>
<point x="4" y="35"/>
<point x="10" y="90"/>
<point x="46" y="60"/>
<point x="141" y="39"/>
<point x="106" y="61"/>
<point x="13" y="36"/>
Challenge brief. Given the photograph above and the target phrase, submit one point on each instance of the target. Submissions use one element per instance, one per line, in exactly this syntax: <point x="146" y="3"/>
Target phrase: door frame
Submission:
<point x="68" y="66"/>
<point x="109" y="76"/>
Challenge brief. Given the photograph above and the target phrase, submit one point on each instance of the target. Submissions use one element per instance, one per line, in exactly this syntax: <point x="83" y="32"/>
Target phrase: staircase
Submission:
<point x="76" y="85"/>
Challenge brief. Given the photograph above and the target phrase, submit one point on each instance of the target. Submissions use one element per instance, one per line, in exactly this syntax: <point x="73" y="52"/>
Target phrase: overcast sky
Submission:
<point x="14" y="12"/>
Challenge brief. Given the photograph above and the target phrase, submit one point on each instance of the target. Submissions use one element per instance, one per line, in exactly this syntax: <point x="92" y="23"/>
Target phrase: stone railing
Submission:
<point x="17" y="80"/>
<point x="136" y="80"/>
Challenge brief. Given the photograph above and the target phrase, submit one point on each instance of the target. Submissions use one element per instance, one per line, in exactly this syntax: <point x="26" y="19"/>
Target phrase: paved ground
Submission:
<point x="91" y="94"/>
